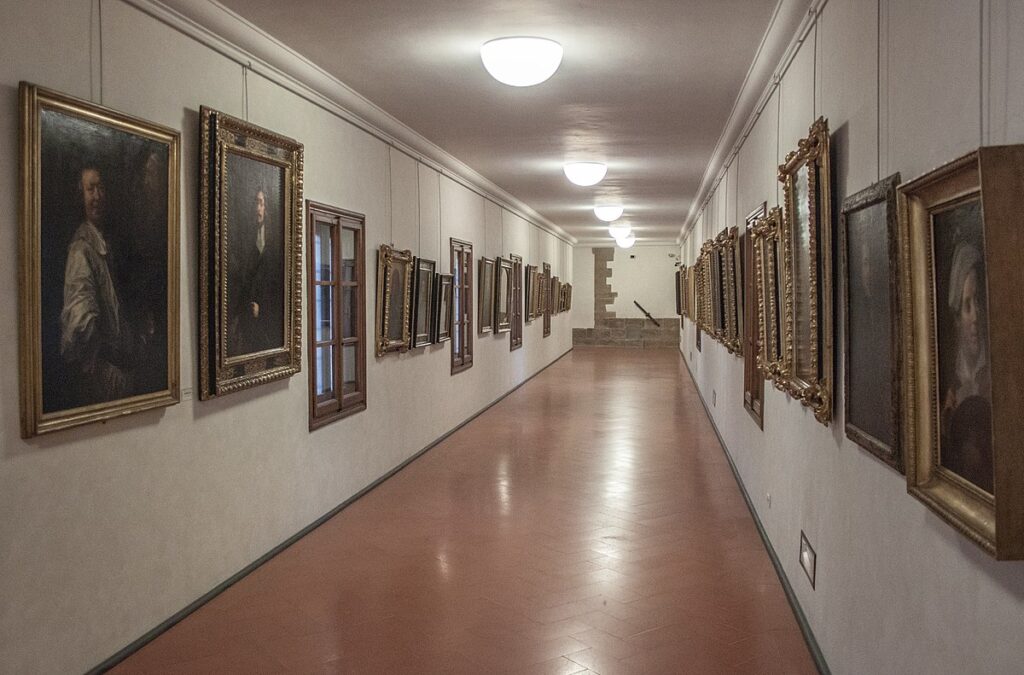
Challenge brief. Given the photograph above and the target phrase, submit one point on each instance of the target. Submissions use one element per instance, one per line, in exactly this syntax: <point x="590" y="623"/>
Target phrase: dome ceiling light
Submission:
<point x="608" y="213"/>
<point x="626" y="242"/>
<point x="585" y="173"/>
<point x="619" y="231"/>
<point x="521" y="61"/>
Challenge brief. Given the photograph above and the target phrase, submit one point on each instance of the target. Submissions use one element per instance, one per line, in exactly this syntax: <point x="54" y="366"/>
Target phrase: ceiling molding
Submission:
<point x="789" y="23"/>
<point x="232" y="36"/>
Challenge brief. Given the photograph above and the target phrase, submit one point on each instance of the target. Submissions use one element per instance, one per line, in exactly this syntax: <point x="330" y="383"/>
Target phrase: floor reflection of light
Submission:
<point x="504" y="496"/>
<point x="443" y="566"/>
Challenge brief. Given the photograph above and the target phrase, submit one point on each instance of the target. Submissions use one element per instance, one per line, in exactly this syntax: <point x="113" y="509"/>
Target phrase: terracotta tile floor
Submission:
<point x="587" y="523"/>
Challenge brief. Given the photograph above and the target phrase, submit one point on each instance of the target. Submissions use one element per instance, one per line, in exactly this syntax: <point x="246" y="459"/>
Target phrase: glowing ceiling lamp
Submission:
<point x="521" y="61"/>
<point x="608" y="213"/>
<point x="585" y="173"/>
<point x="627" y="241"/>
<point x="619" y="231"/>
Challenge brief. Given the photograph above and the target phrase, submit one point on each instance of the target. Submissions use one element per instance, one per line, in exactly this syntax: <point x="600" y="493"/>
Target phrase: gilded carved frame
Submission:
<point x="221" y="136"/>
<point x="993" y="177"/>
<point x="391" y="263"/>
<point x="810" y="382"/>
<point x="767" y="246"/>
<point x="33" y="101"/>
<point x="726" y="246"/>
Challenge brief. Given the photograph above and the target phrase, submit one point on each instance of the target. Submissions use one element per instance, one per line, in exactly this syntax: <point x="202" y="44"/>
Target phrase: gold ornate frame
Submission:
<point x="766" y="233"/>
<point x="443" y="309"/>
<point x="995" y="176"/>
<point x="530" y="291"/>
<point x="32" y="101"/>
<point x="388" y="261"/>
<point x="726" y="247"/>
<point x="221" y="135"/>
<point x="812" y="154"/>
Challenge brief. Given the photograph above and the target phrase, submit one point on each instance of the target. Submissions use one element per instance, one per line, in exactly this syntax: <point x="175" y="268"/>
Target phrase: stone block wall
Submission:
<point x="612" y="332"/>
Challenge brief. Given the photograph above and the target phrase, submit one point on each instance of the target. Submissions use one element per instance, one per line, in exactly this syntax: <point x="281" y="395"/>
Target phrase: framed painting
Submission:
<point x="807" y="272"/>
<point x="394" y="300"/>
<point x="443" y="313"/>
<point x="530" y="290"/>
<point x="679" y="295"/>
<point x="503" y="296"/>
<point x="250" y="255"/>
<point x="767" y="277"/>
<point x="422" y="319"/>
<point x="486" y="300"/>
<point x="870" y="309"/>
<point x="732" y="290"/>
<point x="98" y="263"/>
<point x="568" y="297"/>
<point x="960" y="281"/>
<point x="545" y="297"/>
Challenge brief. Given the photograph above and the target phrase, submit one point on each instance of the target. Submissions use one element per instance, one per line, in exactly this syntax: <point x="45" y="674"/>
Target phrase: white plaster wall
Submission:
<point x="583" y="287"/>
<point x="898" y="591"/>
<point x="107" y="530"/>
<point x="645" y="274"/>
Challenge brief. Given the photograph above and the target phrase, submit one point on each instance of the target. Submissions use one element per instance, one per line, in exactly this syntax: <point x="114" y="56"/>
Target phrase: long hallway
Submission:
<point x="589" y="522"/>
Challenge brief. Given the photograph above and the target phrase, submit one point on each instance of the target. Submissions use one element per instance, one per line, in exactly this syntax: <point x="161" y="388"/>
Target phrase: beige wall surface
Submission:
<point x="582" y="287"/>
<point x="108" y="529"/>
<point x="905" y="89"/>
<point x="645" y="274"/>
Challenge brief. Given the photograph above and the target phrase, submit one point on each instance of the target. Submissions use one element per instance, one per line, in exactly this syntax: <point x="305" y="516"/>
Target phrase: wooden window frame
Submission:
<point x="461" y="255"/>
<point x="753" y="378"/>
<point x="323" y="410"/>
<point x="516" y="339"/>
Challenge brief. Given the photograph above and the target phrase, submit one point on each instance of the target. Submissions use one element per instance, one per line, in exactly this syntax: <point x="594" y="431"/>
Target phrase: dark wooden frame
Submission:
<point x="753" y="378"/>
<point x="443" y="308"/>
<point x="545" y="297"/>
<point x="503" y="288"/>
<point x="326" y="410"/>
<point x="422" y="268"/>
<point x="882" y="192"/>
<point x="461" y="254"/>
<point x="530" y="292"/>
<point x="516" y="339"/>
<point x="486" y="293"/>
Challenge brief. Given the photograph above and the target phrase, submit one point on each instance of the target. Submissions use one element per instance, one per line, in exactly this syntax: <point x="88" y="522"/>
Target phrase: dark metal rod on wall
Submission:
<point x="647" y="314"/>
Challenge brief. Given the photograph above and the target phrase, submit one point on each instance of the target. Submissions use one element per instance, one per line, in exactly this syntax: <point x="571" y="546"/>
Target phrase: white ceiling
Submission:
<point x="644" y="86"/>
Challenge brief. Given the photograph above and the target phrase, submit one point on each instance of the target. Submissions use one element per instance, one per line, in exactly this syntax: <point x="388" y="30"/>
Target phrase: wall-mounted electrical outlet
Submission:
<point x="808" y="558"/>
<point x="768" y="498"/>
<point x="714" y="398"/>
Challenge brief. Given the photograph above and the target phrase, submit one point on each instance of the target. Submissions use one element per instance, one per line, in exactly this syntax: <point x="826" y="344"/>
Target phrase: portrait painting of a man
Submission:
<point x="255" y="256"/>
<point x="250" y="234"/>
<point x="965" y="397"/>
<point x="106" y="235"/>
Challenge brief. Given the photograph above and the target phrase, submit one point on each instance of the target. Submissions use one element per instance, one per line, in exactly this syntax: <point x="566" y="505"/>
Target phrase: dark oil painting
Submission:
<point x="961" y="309"/>
<point x="868" y="313"/>
<point x="255" y="266"/>
<point x="103" y="262"/>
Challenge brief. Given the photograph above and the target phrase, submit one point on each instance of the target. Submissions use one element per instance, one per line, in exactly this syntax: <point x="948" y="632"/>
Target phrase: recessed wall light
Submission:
<point x="627" y="241"/>
<point x="521" y="61"/>
<point x="619" y="231"/>
<point x="608" y="213"/>
<point x="585" y="173"/>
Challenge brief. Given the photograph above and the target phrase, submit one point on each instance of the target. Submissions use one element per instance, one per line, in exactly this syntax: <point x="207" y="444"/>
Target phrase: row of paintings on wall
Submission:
<point x="930" y="306"/>
<point x="99" y="260"/>
<point x="99" y="263"/>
